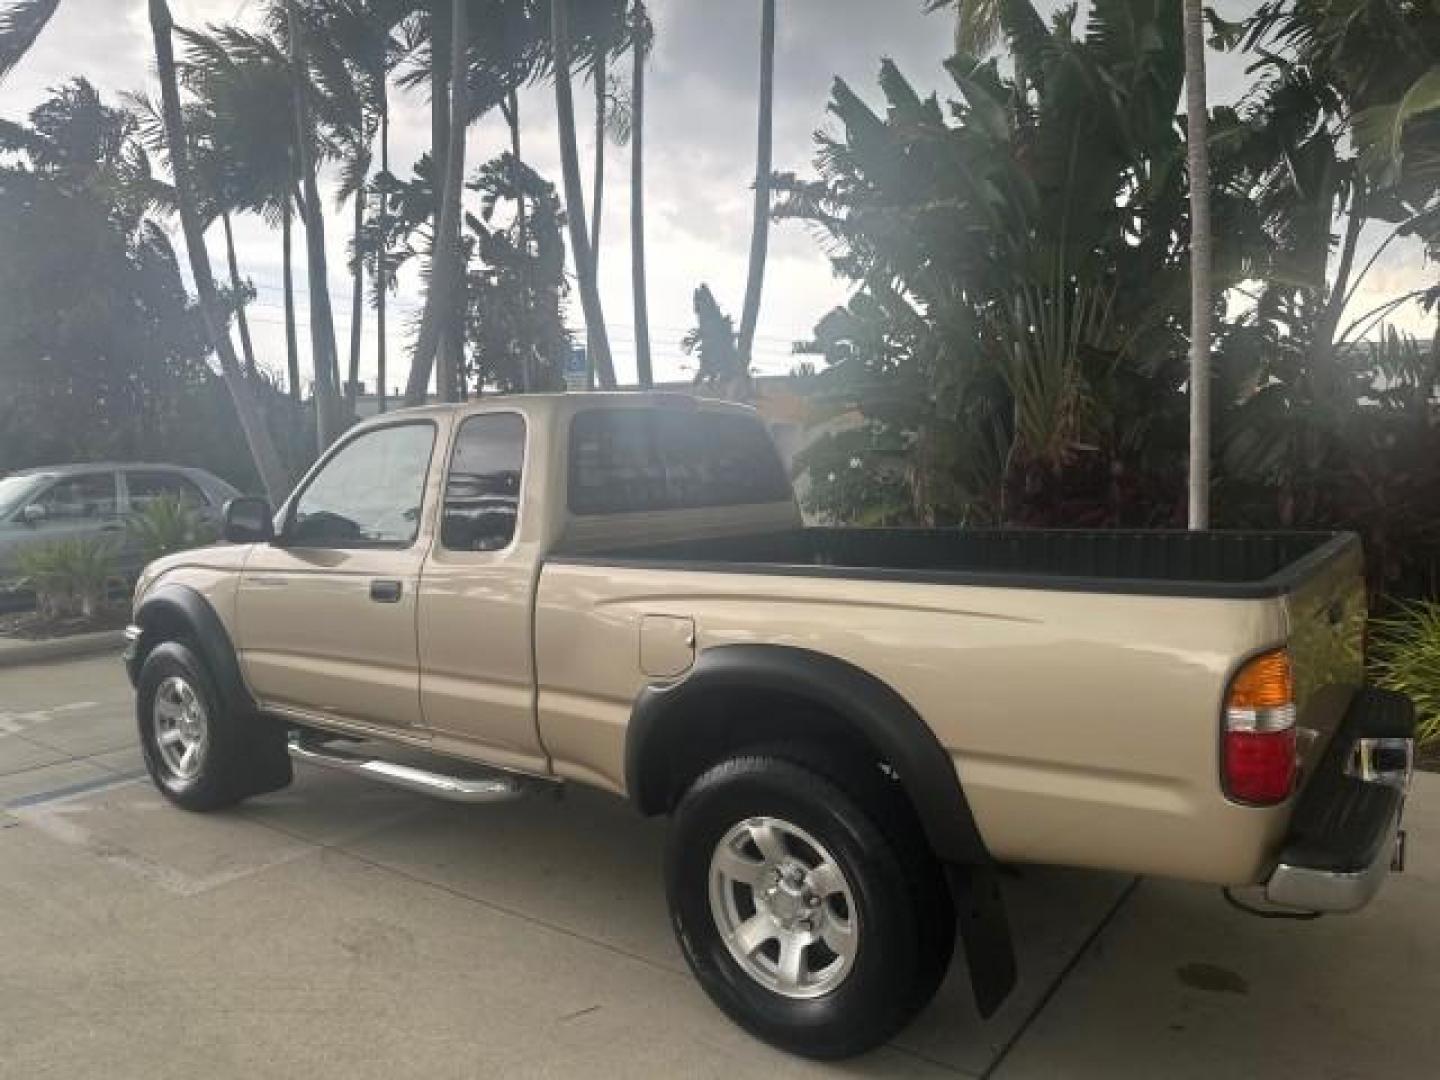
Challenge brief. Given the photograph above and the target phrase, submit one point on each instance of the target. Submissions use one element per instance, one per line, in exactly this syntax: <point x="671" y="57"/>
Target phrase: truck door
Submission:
<point x="326" y="613"/>
<point x="477" y="671"/>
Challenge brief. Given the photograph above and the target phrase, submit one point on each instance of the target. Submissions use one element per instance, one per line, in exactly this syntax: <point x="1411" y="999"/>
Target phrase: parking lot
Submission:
<point x="342" y="929"/>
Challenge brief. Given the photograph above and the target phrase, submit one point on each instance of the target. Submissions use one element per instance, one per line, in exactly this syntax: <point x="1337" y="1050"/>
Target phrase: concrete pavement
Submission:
<point x="344" y="929"/>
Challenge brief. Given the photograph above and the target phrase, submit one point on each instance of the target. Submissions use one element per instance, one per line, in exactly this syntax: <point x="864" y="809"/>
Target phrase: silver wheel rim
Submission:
<point x="783" y="908"/>
<point x="182" y="730"/>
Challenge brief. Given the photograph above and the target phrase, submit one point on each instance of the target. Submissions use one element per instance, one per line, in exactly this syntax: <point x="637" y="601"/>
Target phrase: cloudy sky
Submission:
<point x="700" y="133"/>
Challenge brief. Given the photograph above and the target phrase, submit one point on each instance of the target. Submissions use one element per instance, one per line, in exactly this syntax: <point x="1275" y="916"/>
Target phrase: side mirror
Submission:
<point x="248" y="520"/>
<point x="34" y="514"/>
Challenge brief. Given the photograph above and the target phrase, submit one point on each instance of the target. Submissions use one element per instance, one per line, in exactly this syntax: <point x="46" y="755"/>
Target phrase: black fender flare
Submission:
<point x="869" y="705"/>
<point x="176" y="611"/>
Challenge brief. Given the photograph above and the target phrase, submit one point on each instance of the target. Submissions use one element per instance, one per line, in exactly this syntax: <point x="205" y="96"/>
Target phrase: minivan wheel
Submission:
<point x="797" y="910"/>
<point x="201" y="753"/>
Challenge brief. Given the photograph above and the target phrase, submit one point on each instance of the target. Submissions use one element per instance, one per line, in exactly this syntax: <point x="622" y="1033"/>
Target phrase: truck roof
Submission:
<point x="570" y="403"/>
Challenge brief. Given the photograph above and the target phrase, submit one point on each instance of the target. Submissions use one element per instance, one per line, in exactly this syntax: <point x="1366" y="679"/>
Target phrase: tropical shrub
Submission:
<point x="167" y="525"/>
<point x="70" y="577"/>
<point x="1405" y="655"/>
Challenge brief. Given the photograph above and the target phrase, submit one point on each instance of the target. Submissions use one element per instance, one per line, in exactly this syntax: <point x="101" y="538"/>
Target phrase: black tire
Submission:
<point x="242" y="754"/>
<point x="905" y="921"/>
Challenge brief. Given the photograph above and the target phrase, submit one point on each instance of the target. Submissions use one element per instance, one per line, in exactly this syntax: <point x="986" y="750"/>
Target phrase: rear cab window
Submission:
<point x="626" y="460"/>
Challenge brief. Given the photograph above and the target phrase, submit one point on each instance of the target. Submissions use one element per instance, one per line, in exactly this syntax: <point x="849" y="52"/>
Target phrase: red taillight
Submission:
<point x="1259" y="750"/>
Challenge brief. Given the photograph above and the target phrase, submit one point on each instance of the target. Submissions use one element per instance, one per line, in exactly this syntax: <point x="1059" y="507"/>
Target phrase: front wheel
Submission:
<point x="201" y="752"/>
<point x="800" y="910"/>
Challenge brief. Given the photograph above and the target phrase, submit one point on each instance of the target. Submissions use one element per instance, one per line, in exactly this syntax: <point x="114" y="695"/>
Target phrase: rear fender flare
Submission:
<point x="862" y="701"/>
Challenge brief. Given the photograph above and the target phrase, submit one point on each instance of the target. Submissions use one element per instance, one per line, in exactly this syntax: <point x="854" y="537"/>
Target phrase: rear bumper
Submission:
<point x="1346" y="836"/>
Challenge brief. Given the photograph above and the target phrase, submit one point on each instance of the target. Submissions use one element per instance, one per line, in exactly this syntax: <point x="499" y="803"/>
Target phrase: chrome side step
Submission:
<point x="496" y="787"/>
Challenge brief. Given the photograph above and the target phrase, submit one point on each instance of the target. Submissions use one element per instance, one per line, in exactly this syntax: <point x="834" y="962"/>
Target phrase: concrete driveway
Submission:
<point x="341" y="929"/>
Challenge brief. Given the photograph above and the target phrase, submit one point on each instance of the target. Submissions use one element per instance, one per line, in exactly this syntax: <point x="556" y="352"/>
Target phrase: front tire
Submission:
<point x="797" y="907"/>
<point x="202" y="753"/>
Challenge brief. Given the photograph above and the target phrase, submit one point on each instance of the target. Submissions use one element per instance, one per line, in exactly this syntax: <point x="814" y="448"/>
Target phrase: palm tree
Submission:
<point x="575" y="197"/>
<point x="447" y="269"/>
<point x="312" y="213"/>
<point x="642" y="34"/>
<point x="760" y="229"/>
<point x="257" y="437"/>
<point x="1197" y="129"/>
<point x="240" y="81"/>
<point x="20" y="25"/>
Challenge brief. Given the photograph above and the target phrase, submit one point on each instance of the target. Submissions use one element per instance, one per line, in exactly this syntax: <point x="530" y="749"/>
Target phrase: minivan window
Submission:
<point x="482" y="490"/>
<point x="149" y="487"/>
<point x="89" y="497"/>
<point x="628" y="460"/>
<point x="369" y="494"/>
<point x="15" y="492"/>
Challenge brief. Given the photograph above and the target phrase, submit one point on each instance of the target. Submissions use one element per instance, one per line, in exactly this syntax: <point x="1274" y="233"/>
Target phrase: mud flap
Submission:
<point x="265" y="765"/>
<point x="984" y="933"/>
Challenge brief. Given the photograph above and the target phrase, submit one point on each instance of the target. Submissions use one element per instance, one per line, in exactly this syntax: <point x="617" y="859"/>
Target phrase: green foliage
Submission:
<point x="515" y="280"/>
<point x="1020" y="265"/>
<point x="167" y="525"/>
<point x="70" y="577"/>
<point x="857" y="476"/>
<point x="1405" y="655"/>
<point x="102" y="353"/>
<point x="713" y="342"/>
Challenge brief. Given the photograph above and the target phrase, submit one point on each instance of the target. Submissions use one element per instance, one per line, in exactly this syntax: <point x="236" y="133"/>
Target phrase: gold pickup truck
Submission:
<point x="851" y="728"/>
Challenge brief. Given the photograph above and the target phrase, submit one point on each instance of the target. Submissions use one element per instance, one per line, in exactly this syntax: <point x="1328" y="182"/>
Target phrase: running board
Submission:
<point x="497" y="787"/>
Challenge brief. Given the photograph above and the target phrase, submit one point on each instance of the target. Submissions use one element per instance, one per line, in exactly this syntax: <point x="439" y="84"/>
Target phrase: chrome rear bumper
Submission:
<point x="1346" y="835"/>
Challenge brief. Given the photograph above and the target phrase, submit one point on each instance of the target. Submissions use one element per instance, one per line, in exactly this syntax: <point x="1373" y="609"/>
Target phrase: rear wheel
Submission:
<point x="802" y="913"/>
<point x="202" y="753"/>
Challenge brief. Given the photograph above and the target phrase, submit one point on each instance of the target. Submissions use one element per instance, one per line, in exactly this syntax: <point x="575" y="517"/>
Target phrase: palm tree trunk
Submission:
<point x="257" y="437"/>
<point x="602" y="77"/>
<point x="287" y="271"/>
<point x="247" y="347"/>
<point x="760" y="227"/>
<point x="381" y="289"/>
<point x="322" y="324"/>
<point x="446" y="288"/>
<point x="644" y="373"/>
<point x="357" y="305"/>
<point x="441" y="47"/>
<point x="1197" y="127"/>
<point x="575" y="197"/>
<point x="598" y="190"/>
<point x="511" y="110"/>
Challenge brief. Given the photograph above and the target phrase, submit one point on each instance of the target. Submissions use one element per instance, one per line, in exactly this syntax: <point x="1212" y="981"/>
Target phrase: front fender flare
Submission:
<point x="170" y="612"/>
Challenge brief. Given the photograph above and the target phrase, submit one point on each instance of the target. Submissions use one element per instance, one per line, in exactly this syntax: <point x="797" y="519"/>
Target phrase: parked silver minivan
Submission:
<point x="67" y="502"/>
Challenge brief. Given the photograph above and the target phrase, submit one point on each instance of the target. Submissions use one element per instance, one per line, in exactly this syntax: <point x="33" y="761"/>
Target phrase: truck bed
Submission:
<point x="1241" y="565"/>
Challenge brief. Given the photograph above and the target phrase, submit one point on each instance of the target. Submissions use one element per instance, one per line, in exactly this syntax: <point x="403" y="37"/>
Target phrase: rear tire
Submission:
<point x="201" y="752"/>
<point x="768" y="858"/>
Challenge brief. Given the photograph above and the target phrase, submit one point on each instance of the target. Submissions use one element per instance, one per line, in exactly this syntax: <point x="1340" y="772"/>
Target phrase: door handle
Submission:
<point x="385" y="591"/>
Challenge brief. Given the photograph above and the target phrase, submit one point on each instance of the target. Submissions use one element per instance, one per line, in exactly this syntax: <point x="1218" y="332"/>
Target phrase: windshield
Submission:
<point x="14" y="490"/>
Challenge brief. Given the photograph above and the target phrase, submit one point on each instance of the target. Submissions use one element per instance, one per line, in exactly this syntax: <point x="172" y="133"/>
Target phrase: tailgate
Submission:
<point x="1325" y="616"/>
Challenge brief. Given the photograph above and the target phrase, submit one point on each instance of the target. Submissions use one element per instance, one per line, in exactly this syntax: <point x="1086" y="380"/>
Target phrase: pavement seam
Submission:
<point x="1059" y="980"/>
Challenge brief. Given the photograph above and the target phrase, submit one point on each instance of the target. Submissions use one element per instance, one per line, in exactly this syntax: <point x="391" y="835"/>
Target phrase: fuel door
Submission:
<point x="667" y="645"/>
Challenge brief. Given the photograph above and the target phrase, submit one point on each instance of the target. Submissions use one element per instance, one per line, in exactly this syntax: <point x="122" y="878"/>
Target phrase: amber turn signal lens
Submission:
<point x="1264" y="682"/>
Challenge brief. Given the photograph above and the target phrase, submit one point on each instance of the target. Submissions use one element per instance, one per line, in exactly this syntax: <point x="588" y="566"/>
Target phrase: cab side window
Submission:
<point x="482" y="490"/>
<point x="369" y="494"/>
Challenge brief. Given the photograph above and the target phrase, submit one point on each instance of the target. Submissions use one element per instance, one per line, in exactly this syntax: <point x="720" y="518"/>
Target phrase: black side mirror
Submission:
<point x="248" y="520"/>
